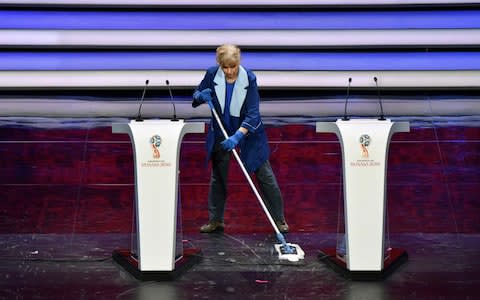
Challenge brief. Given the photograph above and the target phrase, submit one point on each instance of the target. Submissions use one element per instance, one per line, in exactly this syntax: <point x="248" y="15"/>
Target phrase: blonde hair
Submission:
<point x="228" y="54"/>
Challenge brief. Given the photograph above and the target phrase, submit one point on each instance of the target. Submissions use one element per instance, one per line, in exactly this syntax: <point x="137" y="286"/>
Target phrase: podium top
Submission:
<point x="193" y="127"/>
<point x="333" y="127"/>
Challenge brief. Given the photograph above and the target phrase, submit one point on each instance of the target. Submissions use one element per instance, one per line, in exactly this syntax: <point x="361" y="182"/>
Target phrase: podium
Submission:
<point x="364" y="144"/>
<point x="158" y="253"/>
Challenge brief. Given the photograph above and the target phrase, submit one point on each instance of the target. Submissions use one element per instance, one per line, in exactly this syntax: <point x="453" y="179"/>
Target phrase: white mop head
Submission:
<point x="296" y="254"/>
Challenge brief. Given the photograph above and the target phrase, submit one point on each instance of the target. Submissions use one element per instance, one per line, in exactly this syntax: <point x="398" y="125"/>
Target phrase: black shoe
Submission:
<point x="212" y="226"/>
<point x="282" y="226"/>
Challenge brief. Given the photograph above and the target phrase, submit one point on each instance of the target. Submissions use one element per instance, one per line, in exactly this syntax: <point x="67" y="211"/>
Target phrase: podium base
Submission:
<point x="395" y="258"/>
<point x="125" y="258"/>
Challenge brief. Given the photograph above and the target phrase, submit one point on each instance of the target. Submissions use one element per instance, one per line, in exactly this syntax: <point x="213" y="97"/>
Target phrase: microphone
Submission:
<point x="171" y="99"/>
<point x="345" y="117"/>
<point x="139" y="116"/>
<point x="382" y="116"/>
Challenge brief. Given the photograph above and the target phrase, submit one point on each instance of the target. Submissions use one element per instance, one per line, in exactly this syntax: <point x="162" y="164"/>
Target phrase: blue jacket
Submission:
<point x="254" y="150"/>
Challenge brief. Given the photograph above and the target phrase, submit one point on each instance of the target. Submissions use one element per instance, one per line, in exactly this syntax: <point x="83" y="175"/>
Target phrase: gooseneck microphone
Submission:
<point x="173" y="102"/>
<point x="345" y="117"/>
<point x="382" y="116"/>
<point x="139" y="116"/>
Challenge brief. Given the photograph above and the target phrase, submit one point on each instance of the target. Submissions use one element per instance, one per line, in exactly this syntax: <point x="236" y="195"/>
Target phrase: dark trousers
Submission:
<point x="217" y="195"/>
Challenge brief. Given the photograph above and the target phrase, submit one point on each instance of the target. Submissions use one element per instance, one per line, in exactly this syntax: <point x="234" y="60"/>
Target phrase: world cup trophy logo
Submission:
<point x="156" y="141"/>
<point x="364" y="143"/>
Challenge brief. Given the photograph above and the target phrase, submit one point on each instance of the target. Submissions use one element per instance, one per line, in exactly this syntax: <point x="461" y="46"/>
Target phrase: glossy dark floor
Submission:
<point x="233" y="266"/>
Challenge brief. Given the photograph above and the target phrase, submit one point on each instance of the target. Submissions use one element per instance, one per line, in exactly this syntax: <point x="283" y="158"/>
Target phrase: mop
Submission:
<point x="286" y="251"/>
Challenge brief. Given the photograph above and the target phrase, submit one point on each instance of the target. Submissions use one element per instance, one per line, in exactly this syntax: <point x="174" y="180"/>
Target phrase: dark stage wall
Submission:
<point x="75" y="176"/>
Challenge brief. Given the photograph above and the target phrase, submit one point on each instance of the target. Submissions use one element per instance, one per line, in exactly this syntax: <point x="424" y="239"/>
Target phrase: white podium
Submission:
<point x="364" y="144"/>
<point x="158" y="253"/>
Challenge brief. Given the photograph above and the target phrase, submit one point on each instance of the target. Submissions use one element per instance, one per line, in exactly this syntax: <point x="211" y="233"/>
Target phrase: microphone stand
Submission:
<point x="345" y="117"/>
<point x="382" y="116"/>
<point x="173" y="102"/>
<point x="139" y="117"/>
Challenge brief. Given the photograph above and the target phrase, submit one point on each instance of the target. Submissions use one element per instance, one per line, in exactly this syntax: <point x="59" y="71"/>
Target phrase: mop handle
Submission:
<point x="249" y="179"/>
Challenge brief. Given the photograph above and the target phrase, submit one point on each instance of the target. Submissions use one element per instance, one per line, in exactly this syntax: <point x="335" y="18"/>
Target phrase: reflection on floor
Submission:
<point x="233" y="266"/>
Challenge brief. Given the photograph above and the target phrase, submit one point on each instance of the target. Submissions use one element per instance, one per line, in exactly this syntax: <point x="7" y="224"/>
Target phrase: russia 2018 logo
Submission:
<point x="156" y="141"/>
<point x="364" y="143"/>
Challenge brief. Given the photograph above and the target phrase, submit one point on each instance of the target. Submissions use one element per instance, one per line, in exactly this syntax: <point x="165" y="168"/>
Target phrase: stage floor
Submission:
<point x="233" y="266"/>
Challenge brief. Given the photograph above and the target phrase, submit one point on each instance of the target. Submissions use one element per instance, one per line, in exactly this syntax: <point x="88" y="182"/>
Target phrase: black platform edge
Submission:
<point x="396" y="258"/>
<point x="125" y="259"/>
